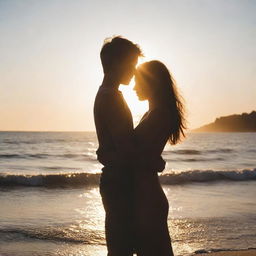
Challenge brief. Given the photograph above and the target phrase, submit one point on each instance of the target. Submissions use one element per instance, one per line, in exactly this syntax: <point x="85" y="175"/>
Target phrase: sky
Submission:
<point x="50" y="68"/>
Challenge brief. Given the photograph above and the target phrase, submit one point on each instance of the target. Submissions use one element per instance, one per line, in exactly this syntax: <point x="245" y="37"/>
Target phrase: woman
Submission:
<point x="163" y="122"/>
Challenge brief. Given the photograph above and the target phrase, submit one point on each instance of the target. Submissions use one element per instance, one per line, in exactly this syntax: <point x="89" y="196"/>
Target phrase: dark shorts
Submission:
<point x="116" y="189"/>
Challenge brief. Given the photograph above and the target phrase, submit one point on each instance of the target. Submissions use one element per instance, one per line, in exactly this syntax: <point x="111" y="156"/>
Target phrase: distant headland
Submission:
<point x="233" y="123"/>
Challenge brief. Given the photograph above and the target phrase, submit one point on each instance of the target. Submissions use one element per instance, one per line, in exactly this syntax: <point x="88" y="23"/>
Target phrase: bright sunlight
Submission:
<point x="138" y="108"/>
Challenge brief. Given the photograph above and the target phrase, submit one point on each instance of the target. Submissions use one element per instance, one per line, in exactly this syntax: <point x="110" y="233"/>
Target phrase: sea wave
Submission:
<point x="207" y="176"/>
<point x="200" y="159"/>
<point x="82" y="179"/>
<point x="58" y="234"/>
<point x="199" y="152"/>
<point x="50" y="180"/>
<point x="46" y="156"/>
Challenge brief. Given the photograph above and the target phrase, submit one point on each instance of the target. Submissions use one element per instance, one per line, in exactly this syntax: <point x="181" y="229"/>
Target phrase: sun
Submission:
<point x="138" y="108"/>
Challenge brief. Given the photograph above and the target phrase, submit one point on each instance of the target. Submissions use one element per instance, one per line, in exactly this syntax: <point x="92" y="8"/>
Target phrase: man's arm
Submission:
<point x="144" y="160"/>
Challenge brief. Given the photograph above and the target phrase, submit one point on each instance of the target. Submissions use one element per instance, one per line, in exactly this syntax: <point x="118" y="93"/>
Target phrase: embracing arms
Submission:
<point x="119" y="124"/>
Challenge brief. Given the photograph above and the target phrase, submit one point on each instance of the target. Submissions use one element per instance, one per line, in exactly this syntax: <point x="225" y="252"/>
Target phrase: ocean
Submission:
<point x="50" y="202"/>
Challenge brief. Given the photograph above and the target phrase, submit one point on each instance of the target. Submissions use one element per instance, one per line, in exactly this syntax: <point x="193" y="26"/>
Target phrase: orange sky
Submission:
<point x="50" y="68"/>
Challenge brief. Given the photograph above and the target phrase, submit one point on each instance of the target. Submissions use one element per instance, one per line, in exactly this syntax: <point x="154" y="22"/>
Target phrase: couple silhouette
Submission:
<point x="136" y="208"/>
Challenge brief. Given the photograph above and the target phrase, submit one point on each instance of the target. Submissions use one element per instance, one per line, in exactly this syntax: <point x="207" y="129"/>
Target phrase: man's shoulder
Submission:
<point x="108" y="94"/>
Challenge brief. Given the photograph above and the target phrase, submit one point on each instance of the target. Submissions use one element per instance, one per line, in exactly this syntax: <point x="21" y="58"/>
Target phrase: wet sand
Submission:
<point x="232" y="253"/>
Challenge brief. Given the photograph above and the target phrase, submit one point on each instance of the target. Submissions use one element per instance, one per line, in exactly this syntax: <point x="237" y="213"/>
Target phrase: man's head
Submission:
<point x="119" y="57"/>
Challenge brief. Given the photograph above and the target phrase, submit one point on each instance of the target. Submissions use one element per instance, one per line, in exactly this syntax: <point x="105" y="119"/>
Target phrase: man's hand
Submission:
<point x="108" y="158"/>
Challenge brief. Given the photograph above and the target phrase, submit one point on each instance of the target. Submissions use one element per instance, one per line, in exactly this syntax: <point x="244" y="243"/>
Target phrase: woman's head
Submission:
<point x="153" y="82"/>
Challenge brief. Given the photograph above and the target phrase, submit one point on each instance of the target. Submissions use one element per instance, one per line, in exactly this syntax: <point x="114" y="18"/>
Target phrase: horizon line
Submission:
<point x="45" y="131"/>
<point x="58" y="130"/>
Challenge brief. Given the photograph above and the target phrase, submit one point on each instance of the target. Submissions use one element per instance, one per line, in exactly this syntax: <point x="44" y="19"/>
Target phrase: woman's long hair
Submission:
<point x="159" y="79"/>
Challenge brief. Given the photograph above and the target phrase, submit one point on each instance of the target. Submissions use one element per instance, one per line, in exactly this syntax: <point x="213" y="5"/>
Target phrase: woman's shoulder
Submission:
<point x="160" y="116"/>
<point x="160" y="113"/>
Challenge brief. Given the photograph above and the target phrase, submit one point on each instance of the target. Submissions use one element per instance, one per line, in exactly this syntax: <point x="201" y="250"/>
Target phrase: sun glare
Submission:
<point x="138" y="108"/>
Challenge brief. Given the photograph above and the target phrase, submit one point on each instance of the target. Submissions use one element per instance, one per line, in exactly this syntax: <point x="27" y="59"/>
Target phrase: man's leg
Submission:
<point x="117" y="201"/>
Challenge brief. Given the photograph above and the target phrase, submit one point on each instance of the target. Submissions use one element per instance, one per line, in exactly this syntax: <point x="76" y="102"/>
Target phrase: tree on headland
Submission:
<point x="233" y="123"/>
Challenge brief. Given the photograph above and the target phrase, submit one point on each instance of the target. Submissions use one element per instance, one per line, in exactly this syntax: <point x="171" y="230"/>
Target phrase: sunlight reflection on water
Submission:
<point x="71" y="221"/>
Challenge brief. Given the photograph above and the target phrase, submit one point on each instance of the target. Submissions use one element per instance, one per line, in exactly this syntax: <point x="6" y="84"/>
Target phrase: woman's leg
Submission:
<point x="151" y="219"/>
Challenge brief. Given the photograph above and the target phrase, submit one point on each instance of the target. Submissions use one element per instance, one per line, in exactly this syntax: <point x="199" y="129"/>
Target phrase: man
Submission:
<point x="114" y="127"/>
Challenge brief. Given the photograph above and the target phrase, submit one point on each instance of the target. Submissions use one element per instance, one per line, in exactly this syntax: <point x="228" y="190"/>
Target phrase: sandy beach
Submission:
<point x="232" y="253"/>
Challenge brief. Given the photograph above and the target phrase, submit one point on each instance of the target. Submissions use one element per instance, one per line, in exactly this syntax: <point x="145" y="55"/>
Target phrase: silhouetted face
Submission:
<point x="142" y="87"/>
<point x="127" y="69"/>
